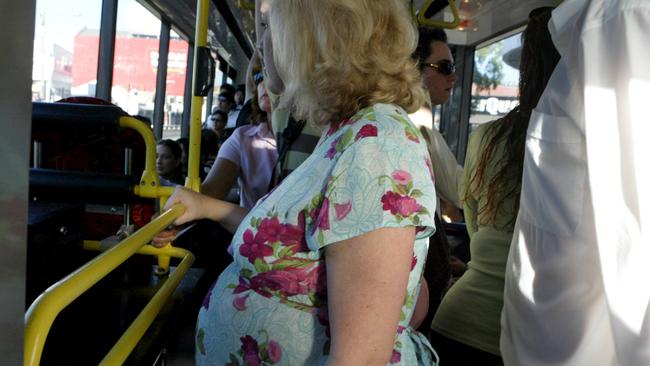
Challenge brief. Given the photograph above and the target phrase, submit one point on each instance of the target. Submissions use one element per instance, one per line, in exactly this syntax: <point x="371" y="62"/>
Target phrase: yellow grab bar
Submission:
<point x="438" y="23"/>
<point x="44" y="310"/>
<point x="149" y="186"/>
<point x="124" y="346"/>
<point x="193" y="181"/>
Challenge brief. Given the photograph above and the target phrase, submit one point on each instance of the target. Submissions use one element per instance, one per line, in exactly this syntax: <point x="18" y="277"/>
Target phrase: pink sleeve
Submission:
<point x="231" y="148"/>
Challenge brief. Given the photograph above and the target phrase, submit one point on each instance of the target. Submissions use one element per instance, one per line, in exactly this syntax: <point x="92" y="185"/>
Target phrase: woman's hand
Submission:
<point x="195" y="205"/>
<point x="164" y="237"/>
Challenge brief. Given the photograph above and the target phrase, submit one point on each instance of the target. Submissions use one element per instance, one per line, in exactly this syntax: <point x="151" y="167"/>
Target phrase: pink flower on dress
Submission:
<point x="206" y="299"/>
<point x="366" y="131"/>
<point x="397" y="204"/>
<point x="289" y="281"/>
<point x="251" y="351"/>
<point x="254" y="247"/>
<point x="331" y="152"/>
<point x="269" y="230"/>
<point x="396" y="357"/>
<point x="342" y="210"/>
<point x="240" y="302"/>
<point x="402" y="177"/>
<point x="430" y="168"/>
<point x="414" y="261"/>
<point x="323" y="221"/>
<point x="274" y="351"/>
<point x="293" y="236"/>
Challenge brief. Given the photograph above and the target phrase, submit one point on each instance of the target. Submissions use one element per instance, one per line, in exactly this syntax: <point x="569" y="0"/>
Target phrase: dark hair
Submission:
<point x="173" y="146"/>
<point x="221" y="113"/>
<point x="426" y="36"/>
<point x="230" y="97"/>
<point x="538" y="60"/>
<point x="241" y="88"/>
<point x="184" y="143"/>
<point x="227" y="88"/>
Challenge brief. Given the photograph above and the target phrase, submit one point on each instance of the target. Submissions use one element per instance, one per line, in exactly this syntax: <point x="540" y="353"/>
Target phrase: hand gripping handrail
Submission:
<point x="41" y="314"/>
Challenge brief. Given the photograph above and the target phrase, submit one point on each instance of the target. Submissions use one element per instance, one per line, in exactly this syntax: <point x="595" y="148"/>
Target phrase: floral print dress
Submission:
<point x="269" y="307"/>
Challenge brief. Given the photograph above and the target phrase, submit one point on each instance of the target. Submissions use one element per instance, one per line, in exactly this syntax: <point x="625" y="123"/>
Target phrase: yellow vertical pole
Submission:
<point x="200" y="40"/>
<point x="193" y="181"/>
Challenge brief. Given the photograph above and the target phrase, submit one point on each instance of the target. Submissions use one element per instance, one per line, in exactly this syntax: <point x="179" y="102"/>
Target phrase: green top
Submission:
<point x="470" y="312"/>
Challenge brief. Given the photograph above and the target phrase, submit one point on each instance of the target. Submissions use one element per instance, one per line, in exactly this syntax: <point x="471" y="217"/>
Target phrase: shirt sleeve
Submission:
<point x="376" y="183"/>
<point x="231" y="148"/>
<point x="470" y="203"/>
<point x="447" y="171"/>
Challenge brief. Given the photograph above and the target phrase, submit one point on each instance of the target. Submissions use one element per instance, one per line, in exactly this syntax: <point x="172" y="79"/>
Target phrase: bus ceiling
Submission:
<point x="479" y="20"/>
<point x="231" y="28"/>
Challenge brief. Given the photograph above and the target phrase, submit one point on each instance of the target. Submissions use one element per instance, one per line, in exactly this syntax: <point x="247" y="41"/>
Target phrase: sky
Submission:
<point x="65" y="18"/>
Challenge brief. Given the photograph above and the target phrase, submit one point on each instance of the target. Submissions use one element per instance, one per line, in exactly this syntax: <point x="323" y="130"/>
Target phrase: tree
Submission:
<point x="489" y="67"/>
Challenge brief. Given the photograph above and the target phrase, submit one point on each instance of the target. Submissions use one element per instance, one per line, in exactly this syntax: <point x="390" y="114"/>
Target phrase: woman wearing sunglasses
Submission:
<point x="466" y="327"/>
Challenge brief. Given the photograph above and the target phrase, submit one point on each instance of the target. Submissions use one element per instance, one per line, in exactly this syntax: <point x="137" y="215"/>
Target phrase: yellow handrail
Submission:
<point x="149" y="183"/>
<point x="124" y="346"/>
<point x="41" y="314"/>
<point x="201" y="40"/>
<point x="438" y="23"/>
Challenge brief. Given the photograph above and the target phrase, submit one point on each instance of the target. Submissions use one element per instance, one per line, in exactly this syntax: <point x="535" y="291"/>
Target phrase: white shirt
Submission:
<point x="232" y="117"/>
<point x="577" y="288"/>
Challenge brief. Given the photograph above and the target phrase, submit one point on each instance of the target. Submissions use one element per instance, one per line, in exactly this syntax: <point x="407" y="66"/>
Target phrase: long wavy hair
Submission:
<point x="337" y="57"/>
<point x="538" y="60"/>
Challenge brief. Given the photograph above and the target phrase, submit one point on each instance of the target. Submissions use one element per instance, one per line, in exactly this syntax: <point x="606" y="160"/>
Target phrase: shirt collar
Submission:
<point x="261" y="130"/>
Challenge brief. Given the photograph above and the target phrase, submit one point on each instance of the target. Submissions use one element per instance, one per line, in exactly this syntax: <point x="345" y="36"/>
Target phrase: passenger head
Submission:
<point x="229" y="88"/>
<point x="336" y="57"/>
<point x="168" y="161"/>
<point x="265" y="47"/>
<point x="263" y="100"/>
<point x="538" y="60"/>
<point x="225" y="102"/>
<point x="184" y="143"/>
<point x="240" y="94"/>
<point x="218" y="122"/>
<point x="436" y="64"/>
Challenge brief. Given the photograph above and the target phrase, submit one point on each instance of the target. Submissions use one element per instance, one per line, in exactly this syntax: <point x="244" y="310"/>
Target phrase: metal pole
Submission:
<point x="187" y="98"/>
<point x="128" y="159"/>
<point x="161" y="79"/>
<point x="37" y="154"/>
<point x="106" y="49"/>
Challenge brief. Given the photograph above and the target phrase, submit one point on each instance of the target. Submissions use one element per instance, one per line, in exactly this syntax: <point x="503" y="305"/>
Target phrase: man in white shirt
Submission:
<point x="226" y="103"/>
<point x="577" y="288"/>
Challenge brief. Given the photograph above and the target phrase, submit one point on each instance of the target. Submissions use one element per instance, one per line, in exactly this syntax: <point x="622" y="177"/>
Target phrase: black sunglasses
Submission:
<point x="444" y="67"/>
<point x="258" y="78"/>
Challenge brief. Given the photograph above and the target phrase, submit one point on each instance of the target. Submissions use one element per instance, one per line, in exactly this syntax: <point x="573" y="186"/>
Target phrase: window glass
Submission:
<point x="175" y="90"/>
<point x="136" y="59"/>
<point x="66" y="45"/>
<point x="495" y="80"/>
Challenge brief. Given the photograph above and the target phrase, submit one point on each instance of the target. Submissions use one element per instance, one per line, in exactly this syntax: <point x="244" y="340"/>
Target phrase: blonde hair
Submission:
<point x="339" y="56"/>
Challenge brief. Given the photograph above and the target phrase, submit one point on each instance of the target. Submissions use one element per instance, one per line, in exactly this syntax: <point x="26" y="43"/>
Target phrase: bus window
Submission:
<point x="66" y="46"/>
<point x="175" y="89"/>
<point x="136" y="59"/>
<point x="495" y="81"/>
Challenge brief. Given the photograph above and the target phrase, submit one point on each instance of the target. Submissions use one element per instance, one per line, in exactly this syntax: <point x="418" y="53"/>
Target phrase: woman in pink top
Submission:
<point x="248" y="156"/>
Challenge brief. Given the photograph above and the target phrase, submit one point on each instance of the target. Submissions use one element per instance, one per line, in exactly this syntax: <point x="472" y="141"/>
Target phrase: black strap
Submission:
<point x="285" y="141"/>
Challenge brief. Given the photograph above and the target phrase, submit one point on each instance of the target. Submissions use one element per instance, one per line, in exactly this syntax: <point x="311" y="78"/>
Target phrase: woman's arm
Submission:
<point x="199" y="206"/>
<point x="367" y="278"/>
<point x="220" y="179"/>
